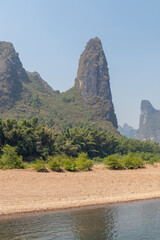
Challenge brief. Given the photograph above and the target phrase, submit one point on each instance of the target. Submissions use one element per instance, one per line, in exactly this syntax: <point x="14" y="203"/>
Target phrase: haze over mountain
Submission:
<point x="25" y="95"/>
<point x="149" y="126"/>
<point x="128" y="131"/>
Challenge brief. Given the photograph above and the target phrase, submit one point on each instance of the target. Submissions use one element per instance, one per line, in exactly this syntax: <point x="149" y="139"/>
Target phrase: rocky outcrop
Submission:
<point x="128" y="131"/>
<point x="93" y="80"/>
<point x="12" y="74"/>
<point x="149" y="125"/>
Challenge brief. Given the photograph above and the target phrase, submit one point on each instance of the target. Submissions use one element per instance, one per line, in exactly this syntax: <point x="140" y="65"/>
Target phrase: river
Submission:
<point x="124" y="221"/>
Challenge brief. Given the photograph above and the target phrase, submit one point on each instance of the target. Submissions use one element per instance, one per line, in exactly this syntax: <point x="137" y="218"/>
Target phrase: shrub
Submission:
<point x="10" y="158"/>
<point x="132" y="161"/>
<point x="149" y="157"/>
<point x="54" y="163"/>
<point x="69" y="164"/>
<point x="39" y="165"/>
<point x="66" y="100"/>
<point x="97" y="160"/>
<point x="60" y="158"/>
<point x="113" y="162"/>
<point x="151" y="161"/>
<point x="83" y="163"/>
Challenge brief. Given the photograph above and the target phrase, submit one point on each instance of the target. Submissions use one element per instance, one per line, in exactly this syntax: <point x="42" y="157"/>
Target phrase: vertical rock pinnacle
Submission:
<point x="93" y="79"/>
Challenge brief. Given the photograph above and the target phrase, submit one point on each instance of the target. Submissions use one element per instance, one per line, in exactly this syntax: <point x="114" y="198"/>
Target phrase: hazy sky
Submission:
<point x="50" y="35"/>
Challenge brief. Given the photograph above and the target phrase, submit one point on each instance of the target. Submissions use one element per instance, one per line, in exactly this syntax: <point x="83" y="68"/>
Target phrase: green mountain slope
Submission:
<point x="36" y="98"/>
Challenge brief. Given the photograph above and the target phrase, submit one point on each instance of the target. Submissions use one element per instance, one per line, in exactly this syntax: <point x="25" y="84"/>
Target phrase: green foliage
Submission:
<point x="126" y="145"/>
<point x="129" y="161"/>
<point x="66" y="125"/>
<point x="85" y="139"/>
<point x="149" y="157"/>
<point x="132" y="161"/>
<point x="30" y="137"/>
<point x="69" y="164"/>
<point x="33" y="139"/>
<point x="10" y="158"/>
<point x="39" y="165"/>
<point x="98" y="160"/>
<point x="66" y="100"/>
<point x="36" y="102"/>
<point x="54" y="163"/>
<point x="83" y="163"/>
<point x="37" y="99"/>
<point x="57" y="91"/>
<point x="113" y="162"/>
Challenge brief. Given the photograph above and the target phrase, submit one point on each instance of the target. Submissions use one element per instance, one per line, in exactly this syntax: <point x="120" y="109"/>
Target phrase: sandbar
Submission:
<point x="23" y="191"/>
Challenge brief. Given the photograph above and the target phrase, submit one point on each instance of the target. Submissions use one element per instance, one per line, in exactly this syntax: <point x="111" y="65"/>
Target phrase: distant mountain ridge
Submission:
<point x="25" y="95"/>
<point x="149" y="125"/>
<point x="128" y="131"/>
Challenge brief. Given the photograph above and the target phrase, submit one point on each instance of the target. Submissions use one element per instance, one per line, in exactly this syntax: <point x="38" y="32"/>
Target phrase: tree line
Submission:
<point x="33" y="139"/>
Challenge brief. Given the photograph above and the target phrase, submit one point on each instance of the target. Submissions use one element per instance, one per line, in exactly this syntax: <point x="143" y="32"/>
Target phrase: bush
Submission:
<point x="83" y="163"/>
<point x="69" y="164"/>
<point x="57" y="161"/>
<point x="39" y="165"/>
<point x="132" y="161"/>
<point x="97" y="160"/>
<point x="54" y="163"/>
<point x="149" y="157"/>
<point x="113" y="162"/>
<point x="10" y="158"/>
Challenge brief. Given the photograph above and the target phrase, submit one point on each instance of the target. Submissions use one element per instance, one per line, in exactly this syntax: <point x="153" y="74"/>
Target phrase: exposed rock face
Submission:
<point x="128" y="131"/>
<point x="12" y="74"/>
<point x="93" y="80"/>
<point x="149" y="126"/>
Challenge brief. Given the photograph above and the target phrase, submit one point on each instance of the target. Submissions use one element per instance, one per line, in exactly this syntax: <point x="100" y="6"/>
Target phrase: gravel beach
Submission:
<point x="28" y="191"/>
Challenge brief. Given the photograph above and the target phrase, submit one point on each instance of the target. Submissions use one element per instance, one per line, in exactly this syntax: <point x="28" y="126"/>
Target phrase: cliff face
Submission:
<point x="149" y="125"/>
<point x="93" y="80"/>
<point x="12" y="74"/>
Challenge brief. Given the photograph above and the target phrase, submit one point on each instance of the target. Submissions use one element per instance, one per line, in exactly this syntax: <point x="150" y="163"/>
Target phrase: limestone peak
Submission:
<point x="12" y="74"/>
<point x="93" y="76"/>
<point x="93" y="79"/>
<point x="147" y="107"/>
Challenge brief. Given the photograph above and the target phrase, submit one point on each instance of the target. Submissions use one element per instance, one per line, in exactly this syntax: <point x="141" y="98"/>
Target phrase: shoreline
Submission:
<point x="47" y="210"/>
<point x="26" y="191"/>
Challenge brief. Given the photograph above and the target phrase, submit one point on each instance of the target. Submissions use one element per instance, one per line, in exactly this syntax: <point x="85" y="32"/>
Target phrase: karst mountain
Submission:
<point x="149" y="125"/>
<point x="24" y="94"/>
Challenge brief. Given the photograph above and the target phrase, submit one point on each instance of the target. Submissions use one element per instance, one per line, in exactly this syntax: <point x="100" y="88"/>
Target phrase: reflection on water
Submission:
<point x="127" y="221"/>
<point x="93" y="223"/>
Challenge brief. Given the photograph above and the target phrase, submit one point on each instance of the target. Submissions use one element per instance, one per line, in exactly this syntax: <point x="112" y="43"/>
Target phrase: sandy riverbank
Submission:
<point x="27" y="190"/>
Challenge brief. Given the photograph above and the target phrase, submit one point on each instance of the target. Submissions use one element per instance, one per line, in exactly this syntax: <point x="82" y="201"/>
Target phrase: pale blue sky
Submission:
<point x="50" y="35"/>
